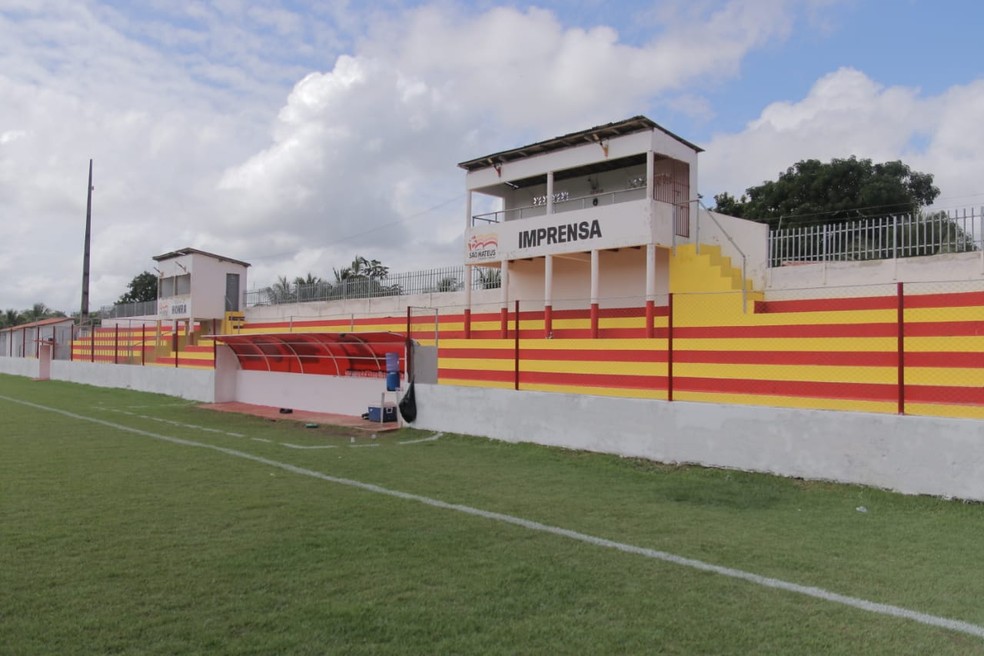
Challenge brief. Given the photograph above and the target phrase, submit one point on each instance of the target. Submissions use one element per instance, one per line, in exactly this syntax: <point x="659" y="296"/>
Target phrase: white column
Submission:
<point x="595" y="269"/>
<point x="548" y="281"/>
<point x="550" y="192"/>
<point x="504" y="281"/>
<point x="650" y="172"/>
<point x="468" y="209"/>
<point x="650" y="272"/>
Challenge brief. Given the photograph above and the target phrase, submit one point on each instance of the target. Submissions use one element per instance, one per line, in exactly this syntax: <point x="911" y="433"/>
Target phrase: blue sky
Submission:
<point x="295" y="134"/>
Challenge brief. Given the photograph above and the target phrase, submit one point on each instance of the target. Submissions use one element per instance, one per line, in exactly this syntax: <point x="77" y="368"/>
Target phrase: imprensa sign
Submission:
<point x="625" y="224"/>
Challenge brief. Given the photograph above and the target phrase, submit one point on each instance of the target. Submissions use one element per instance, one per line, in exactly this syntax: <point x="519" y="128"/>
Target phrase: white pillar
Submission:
<point x="550" y="192"/>
<point x="595" y="280"/>
<point x="548" y="281"/>
<point x="650" y="272"/>
<point x="504" y="282"/>
<point x="650" y="172"/>
<point x="468" y="209"/>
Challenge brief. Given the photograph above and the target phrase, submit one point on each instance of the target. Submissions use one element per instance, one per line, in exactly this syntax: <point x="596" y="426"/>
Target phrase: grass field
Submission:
<point x="133" y="523"/>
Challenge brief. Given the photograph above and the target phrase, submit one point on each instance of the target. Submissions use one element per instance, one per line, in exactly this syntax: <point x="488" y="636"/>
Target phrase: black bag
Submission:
<point x="408" y="405"/>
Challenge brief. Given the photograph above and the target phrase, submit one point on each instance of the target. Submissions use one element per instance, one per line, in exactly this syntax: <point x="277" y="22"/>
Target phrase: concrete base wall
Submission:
<point x="335" y="394"/>
<point x="914" y="455"/>
<point x="191" y="384"/>
<point x="29" y="367"/>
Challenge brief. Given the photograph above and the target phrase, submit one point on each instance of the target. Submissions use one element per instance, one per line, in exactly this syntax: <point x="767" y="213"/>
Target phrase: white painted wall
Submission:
<point x="751" y="238"/>
<point x="823" y="278"/>
<point x="335" y="394"/>
<point x="192" y="384"/>
<point x="914" y="455"/>
<point x="18" y="366"/>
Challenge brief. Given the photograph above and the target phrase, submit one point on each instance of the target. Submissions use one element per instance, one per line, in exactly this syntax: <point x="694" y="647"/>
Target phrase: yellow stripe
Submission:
<point x="788" y="402"/>
<point x="596" y="391"/>
<point x="848" y="344"/>
<point x="943" y="410"/>
<point x="944" y="376"/>
<point x="802" y="373"/>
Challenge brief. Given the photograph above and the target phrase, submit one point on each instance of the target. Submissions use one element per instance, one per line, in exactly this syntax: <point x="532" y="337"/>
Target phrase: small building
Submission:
<point x="24" y="341"/>
<point x="589" y="215"/>
<point x="196" y="286"/>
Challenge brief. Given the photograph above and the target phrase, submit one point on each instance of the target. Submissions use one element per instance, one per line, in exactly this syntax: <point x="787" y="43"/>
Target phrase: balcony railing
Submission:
<point x="567" y="205"/>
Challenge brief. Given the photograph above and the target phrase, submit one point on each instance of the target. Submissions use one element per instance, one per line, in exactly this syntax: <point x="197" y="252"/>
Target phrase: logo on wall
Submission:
<point x="483" y="247"/>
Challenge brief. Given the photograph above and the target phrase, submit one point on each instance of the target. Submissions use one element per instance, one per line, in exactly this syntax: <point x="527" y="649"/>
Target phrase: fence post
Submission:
<point x="116" y="344"/>
<point x="900" y="295"/>
<point x="92" y="342"/>
<point x="143" y="344"/>
<point x="669" y="348"/>
<point x="516" y="348"/>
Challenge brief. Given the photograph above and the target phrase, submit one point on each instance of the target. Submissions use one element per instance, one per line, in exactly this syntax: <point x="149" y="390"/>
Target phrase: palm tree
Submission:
<point x="311" y="288"/>
<point x="279" y="292"/>
<point x="9" y="318"/>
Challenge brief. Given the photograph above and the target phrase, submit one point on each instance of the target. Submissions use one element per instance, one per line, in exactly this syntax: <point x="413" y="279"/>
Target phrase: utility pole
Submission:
<point x="84" y="315"/>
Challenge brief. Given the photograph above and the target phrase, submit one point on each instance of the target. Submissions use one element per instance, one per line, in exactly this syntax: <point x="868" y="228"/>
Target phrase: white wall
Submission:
<point x="752" y="239"/>
<point x="192" y="384"/>
<point x="335" y="394"/>
<point x="948" y="267"/>
<point x="18" y="366"/>
<point x="914" y="455"/>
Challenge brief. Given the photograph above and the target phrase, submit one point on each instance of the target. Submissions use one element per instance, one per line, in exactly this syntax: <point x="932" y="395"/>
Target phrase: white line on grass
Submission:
<point x="425" y="439"/>
<point x="317" y="446"/>
<point x="765" y="581"/>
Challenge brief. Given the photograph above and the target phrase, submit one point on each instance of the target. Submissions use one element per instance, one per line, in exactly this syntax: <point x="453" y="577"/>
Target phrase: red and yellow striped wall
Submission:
<point x="709" y="342"/>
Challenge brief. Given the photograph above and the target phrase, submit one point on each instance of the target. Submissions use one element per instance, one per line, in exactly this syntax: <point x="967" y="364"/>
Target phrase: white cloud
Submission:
<point x="847" y="113"/>
<point x="294" y="139"/>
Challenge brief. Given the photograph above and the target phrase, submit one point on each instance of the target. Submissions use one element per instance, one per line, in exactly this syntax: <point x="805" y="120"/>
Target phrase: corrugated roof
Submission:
<point x="190" y="251"/>
<point x="595" y="134"/>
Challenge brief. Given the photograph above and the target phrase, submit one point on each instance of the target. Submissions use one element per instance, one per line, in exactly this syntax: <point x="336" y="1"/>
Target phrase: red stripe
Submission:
<point x="819" y="358"/>
<point x="594" y="380"/>
<point x="827" y="304"/>
<point x="475" y="374"/>
<point x="943" y="328"/>
<point x="958" y="299"/>
<point x="806" y="330"/>
<point x="944" y="394"/>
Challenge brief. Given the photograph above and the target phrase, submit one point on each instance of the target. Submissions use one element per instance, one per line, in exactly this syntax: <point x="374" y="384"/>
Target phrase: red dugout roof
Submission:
<point x="328" y="354"/>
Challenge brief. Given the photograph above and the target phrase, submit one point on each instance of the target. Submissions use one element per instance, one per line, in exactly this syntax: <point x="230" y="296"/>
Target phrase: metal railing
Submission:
<point x="428" y="281"/>
<point x="566" y="205"/>
<point x="125" y="310"/>
<point x="907" y="235"/>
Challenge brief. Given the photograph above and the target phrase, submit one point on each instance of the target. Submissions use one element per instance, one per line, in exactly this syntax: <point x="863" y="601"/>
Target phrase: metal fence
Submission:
<point x="126" y="310"/>
<point x="428" y="281"/>
<point x="907" y="235"/>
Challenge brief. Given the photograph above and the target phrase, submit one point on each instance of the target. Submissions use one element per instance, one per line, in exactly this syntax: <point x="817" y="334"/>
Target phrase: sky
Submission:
<point x="297" y="134"/>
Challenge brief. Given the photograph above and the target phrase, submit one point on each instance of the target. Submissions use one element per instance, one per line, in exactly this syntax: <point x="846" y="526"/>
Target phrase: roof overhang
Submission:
<point x="328" y="354"/>
<point x="592" y="135"/>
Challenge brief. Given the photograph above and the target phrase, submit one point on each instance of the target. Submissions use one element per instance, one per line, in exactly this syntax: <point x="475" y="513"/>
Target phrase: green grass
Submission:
<point x="115" y="542"/>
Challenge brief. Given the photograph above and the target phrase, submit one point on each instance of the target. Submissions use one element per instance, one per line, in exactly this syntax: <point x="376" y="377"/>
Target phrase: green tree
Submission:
<point x="311" y="288"/>
<point x="37" y="312"/>
<point x="280" y="292"/>
<point x="363" y="278"/>
<point x="9" y="318"/>
<point x="812" y="192"/>
<point x="490" y="278"/>
<point x="141" y="289"/>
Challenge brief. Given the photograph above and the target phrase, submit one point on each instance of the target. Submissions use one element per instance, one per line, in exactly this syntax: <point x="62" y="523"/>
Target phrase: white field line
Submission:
<point x="425" y="439"/>
<point x="298" y="446"/>
<point x="958" y="626"/>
